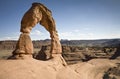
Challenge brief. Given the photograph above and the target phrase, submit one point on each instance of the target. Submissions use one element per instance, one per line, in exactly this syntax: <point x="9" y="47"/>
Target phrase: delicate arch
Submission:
<point x="38" y="13"/>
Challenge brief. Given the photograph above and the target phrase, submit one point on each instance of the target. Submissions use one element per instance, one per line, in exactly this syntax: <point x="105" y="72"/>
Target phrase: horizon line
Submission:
<point x="64" y="39"/>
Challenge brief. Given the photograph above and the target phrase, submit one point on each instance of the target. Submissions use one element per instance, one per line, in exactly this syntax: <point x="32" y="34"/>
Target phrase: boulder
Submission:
<point x="44" y="53"/>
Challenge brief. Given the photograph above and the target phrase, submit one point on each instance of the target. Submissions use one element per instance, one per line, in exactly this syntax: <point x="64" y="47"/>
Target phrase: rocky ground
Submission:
<point x="82" y="63"/>
<point x="55" y="69"/>
<point x="113" y="72"/>
<point x="36" y="69"/>
<point x="94" y="69"/>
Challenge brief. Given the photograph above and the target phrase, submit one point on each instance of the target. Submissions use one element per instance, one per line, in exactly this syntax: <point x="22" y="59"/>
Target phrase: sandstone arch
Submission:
<point x="38" y="13"/>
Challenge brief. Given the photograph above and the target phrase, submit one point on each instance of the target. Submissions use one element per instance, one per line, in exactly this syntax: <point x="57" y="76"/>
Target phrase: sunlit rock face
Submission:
<point x="24" y="47"/>
<point x="38" y="13"/>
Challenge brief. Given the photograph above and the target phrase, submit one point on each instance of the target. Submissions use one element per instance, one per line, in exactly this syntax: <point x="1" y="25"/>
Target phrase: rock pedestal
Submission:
<point x="24" y="47"/>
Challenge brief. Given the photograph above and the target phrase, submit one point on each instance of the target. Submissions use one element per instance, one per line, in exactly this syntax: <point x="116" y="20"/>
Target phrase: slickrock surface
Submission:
<point x="54" y="69"/>
<point x="94" y="69"/>
<point x="36" y="69"/>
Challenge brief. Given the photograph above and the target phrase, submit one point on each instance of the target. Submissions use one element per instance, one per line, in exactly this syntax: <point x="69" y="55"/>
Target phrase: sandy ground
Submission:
<point x="53" y="69"/>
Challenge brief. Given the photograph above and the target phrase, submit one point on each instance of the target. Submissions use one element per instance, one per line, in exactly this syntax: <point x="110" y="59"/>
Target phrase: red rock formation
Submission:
<point x="24" y="47"/>
<point x="38" y="13"/>
<point x="44" y="53"/>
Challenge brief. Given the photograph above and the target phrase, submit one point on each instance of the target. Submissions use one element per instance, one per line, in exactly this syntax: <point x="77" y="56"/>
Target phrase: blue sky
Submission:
<point x="75" y="19"/>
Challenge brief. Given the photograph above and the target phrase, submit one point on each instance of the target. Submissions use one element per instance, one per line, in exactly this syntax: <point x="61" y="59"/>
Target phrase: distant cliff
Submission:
<point x="74" y="51"/>
<point x="10" y="44"/>
<point x="93" y="43"/>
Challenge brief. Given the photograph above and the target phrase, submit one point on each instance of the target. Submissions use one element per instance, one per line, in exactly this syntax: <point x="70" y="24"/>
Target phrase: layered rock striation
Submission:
<point x="38" y="13"/>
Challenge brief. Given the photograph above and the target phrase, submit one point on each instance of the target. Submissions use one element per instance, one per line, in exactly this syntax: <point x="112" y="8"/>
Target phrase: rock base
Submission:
<point x="24" y="48"/>
<point x="21" y="56"/>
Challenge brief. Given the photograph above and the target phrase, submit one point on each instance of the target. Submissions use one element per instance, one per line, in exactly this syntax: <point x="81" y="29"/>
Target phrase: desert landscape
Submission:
<point x="86" y="52"/>
<point x="91" y="59"/>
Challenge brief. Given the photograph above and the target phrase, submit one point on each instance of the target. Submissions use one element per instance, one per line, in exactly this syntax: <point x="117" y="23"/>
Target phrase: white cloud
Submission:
<point x="36" y="32"/>
<point x="10" y="38"/>
<point x="65" y="34"/>
<point x="76" y="30"/>
<point x="114" y="35"/>
<point x="90" y="34"/>
<point x="86" y="28"/>
<point x="76" y="34"/>
<point x="37" y="35"/>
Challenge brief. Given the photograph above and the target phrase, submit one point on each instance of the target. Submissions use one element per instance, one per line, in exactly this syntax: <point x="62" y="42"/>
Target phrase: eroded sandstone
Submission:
<point x="24" y="47"/>
<point x="38" y="13"/>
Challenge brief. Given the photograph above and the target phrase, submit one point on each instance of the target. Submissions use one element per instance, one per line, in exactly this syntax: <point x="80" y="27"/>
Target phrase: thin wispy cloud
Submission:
<point x="86" y="28"/>
<point x="37" y="35"/>
<point x="76" y="34"/>
<point x="10" y="38"/>
<point x="76" y="30"/>
<point x="36" y="32"/>
<point x="63" y="34"/>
